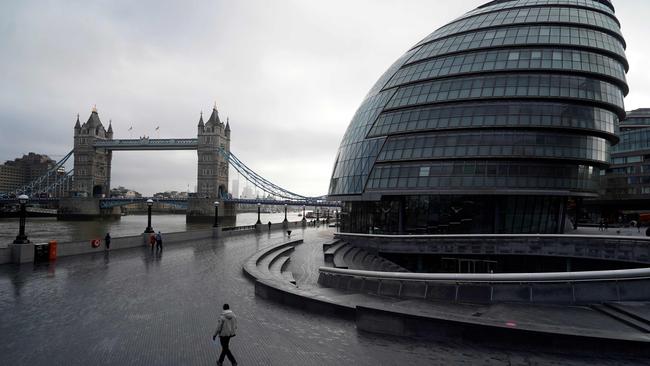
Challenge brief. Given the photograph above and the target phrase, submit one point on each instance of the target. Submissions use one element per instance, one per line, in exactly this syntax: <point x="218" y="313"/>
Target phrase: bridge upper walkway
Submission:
<point x="148" y="144"/>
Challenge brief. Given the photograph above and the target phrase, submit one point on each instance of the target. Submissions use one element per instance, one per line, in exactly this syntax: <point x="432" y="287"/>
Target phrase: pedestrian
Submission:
<point x="601" y="225"/>
<point x="226" y="329"/>
<point x="638" y="226"/>
<point x="152" y="241"/>
<point x="159" y="241"/>
<point x="269" y="225"/>
<point x="107" y="241"/>
<point x="606" y="225"/>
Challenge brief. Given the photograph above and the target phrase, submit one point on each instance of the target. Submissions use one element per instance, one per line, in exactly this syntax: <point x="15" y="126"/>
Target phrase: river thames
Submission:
<point x="45" y="229"/>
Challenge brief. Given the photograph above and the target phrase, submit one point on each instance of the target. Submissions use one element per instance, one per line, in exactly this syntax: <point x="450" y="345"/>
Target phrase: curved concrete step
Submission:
<point x="331" y="251"/>
<point x="330" y="243"/>
<point x="288" y="276"/>
<point x="339" y="256"/>
<point x="270" y="261"/>
<point x="276" y="265"/>
<point x="348" y="258"/>
<point x="258" y="266"/>
<point x="622" y="317"/>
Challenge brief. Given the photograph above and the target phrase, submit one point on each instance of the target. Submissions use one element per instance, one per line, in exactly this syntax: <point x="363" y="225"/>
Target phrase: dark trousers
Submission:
<point x="225" y="350"/>
<point x="159" y="244"/>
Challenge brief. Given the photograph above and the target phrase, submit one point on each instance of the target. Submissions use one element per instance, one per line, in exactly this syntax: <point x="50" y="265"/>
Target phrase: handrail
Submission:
<point x="586" y="276"/>
<point x="496" y="236"/>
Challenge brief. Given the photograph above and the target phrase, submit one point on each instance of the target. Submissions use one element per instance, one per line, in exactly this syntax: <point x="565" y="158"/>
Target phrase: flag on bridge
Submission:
<point x="131" y="128"/>
<point x="157" y="128"/>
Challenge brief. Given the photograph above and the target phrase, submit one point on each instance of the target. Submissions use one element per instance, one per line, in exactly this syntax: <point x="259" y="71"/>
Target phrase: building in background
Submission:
<point x="248" y="192"/>
<point x="18" y="172"/>
<point x="234" y="188"/>
<point x="498" y="122"/>
<point x="626" y="188"/>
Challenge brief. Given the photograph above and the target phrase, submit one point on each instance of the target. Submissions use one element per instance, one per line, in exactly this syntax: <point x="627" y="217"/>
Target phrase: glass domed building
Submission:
<point x="498" y="122"/>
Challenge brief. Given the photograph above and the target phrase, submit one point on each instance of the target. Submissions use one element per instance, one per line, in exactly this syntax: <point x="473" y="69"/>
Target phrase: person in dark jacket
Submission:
<point x="107" y="241"/>
<point x="226" y="329"/>
<point x="159" y="241"/>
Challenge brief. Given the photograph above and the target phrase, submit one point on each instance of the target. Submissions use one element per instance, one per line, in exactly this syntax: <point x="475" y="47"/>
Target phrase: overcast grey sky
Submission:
<point x="289" y="74"/>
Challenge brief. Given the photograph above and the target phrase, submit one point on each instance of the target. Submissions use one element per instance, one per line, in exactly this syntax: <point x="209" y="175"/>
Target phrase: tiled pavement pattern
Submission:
<point x="132" y="307"/>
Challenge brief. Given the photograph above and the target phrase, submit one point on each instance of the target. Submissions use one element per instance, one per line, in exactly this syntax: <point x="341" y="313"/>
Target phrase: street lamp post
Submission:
<point x="22" y="238"/>
<point x="216" y="214"/>
<point x="259" y="207"/>
<point x="149" y="229"/>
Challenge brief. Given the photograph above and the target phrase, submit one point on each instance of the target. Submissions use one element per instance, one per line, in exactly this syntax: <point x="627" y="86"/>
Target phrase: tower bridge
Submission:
<point x="86" y="186"/>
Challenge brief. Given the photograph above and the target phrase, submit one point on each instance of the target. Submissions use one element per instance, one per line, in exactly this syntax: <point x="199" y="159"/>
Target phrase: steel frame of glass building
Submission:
<point x="495" y="123"/>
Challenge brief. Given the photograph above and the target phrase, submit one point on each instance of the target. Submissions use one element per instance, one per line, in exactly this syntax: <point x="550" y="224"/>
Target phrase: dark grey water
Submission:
<point x="45" y="229"/>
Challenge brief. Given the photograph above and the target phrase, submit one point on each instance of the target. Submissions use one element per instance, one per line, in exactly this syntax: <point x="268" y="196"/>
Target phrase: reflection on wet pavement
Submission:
<point x="135" y="307"/>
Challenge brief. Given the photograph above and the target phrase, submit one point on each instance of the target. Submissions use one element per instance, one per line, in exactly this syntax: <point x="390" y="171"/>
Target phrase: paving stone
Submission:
<point x="132" y="307"/>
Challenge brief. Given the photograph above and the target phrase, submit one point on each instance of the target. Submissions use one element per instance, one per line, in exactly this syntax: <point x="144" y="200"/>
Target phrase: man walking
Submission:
<point x="107" y="241"/>
<point x="226" y="328"/>
<point x="159" y="241"/>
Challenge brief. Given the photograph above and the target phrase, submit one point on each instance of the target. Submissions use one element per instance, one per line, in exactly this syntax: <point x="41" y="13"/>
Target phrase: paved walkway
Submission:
<point x="132" y="307"/>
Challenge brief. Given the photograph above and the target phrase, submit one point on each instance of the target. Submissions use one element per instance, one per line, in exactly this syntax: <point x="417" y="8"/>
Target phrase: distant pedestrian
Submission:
<point x="606" y="225"/>
<point x="638" y="226"/>
<point x="152" y="241"/>
<point x="226" y="329"/>
<point x="107" y="241"/>
<point x="601" y="225"/>
<point x="269" y="225"/>
<point x="159" y="241"/>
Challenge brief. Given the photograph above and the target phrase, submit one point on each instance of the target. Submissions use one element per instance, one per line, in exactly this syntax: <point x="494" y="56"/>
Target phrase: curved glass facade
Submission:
<point x="511" y="109"/>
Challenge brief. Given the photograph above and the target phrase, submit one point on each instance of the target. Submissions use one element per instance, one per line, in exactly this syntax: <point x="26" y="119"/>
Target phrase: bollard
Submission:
<point x="53" y="244"/>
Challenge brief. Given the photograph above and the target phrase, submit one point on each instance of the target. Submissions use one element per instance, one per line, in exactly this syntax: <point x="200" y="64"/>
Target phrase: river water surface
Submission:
<point x="48" y="228"/>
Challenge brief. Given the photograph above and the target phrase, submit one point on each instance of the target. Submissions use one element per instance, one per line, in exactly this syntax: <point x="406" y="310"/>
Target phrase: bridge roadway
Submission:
<point x="132" y="307"/>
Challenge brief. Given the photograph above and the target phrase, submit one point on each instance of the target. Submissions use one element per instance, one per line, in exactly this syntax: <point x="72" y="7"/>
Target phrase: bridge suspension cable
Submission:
<point x="49" y="181"/>
<point x="261" y="182"/>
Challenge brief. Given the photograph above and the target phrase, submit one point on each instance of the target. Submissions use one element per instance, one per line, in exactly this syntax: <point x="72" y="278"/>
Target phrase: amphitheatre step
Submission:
<point x="637" y="310"/>
<point x="339" y="256"/>
<point x="348" y="258"/>
<point x="258" y="265"/>
<point x="623" y="317"/>
<point x="287" y="274"/>
<point x="329" y="253"/>
<point x="328" y="244"/>
<point x="266" y="264"/>
<point x="278" y="264"/>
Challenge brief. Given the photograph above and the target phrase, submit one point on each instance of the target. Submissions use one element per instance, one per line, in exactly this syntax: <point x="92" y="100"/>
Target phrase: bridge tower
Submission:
<point x="92" y="166"/>
<point x="92" y="172"/>
<point x="212" y="173"/>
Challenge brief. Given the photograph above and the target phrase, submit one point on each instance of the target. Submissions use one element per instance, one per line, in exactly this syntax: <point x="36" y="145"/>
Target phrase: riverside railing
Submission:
<point x="551" y="287"/>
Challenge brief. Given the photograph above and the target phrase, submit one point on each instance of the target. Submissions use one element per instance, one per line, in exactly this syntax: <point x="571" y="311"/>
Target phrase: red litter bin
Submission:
<point x="53" y="250"/>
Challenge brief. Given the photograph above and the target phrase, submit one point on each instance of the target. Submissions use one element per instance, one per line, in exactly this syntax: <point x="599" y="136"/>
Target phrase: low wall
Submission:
<point x="77" y="247"/>
<point x="619" y="248"/>
<point x="83" y="246"/>
<point x="542" y="288"/>
<point x="5" y="255"/>
<point x="263" y="228"/>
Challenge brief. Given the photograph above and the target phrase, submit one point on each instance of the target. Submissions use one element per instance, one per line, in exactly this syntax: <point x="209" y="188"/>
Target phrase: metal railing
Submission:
<point x="586" y="276"/>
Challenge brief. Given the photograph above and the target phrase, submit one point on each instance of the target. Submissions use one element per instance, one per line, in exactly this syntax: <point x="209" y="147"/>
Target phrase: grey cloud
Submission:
<point x="289" y="74"/>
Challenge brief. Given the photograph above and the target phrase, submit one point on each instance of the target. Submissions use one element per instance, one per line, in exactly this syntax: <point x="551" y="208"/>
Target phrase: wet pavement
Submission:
<point x="132" y="307"/>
